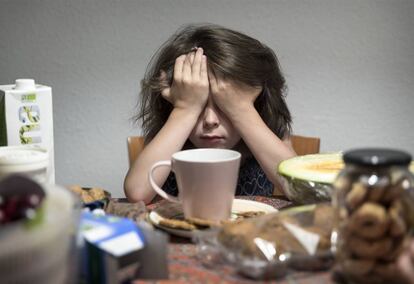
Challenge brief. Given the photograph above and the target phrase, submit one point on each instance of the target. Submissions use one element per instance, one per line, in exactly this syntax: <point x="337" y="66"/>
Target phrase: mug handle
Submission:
<point x="157" y="189"/>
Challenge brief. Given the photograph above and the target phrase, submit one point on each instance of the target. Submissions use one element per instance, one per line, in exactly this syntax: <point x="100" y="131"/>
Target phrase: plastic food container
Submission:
<point x="29" y="160"/>
<point x="373" y="198"/>
<point x="44" y="251"/>
<point x="272" y="245"/>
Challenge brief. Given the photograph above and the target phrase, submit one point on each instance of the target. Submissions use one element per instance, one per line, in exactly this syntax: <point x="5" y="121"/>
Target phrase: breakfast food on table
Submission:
<point x="203" y="223"/>
<point x="374" y="206"/>
<point x="199" y="224"/>
<point x="248" y="214"/>
<point x="286" y="231"/>
<point x="309" y="178"/>
<point x="373" y="228"/>
<point x="89" y="195"/>
<point x="177" y="224"/>
<point x="134" y="211"/>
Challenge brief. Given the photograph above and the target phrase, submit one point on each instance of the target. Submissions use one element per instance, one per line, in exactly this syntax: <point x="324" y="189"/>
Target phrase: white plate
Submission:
<point x="173" y="210"/>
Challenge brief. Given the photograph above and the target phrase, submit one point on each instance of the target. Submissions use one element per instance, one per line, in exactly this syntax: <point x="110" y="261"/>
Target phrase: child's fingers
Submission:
<point x="178" y="68"/>
<point x="196" y="66"/>
<point x="166" y="94"/>
<point x="163" y="76"/>
<point x="192" y="56"/>
<point x="187" y="69"/>
<point x="164" y="82"/>
<point x="203" y="68"/>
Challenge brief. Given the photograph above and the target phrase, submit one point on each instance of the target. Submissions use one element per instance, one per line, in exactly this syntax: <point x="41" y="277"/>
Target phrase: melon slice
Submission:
<point x="309" y="178"/>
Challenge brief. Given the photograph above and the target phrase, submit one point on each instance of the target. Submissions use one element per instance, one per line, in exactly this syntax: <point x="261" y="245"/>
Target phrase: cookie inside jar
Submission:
<point x="373" y="201"/>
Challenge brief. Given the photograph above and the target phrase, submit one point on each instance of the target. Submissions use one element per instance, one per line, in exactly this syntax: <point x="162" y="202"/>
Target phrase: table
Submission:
<point x="184" y="267"/>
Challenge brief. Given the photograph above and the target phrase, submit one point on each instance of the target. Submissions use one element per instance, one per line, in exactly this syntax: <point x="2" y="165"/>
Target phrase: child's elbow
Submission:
<point x="135" y="194"/>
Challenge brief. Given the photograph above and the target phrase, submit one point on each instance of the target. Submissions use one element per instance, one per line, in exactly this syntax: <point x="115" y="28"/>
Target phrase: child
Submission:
<point x="212" y="87"/>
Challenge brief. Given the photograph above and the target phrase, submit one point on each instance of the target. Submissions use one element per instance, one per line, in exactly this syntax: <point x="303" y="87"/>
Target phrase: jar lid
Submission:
<point x="377" y="157"/>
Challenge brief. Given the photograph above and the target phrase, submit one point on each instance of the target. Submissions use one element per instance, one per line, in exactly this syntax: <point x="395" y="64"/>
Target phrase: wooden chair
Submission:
<point x="301" y="144"/>
<point x="305" y="145"/>
<point x="135" y="147"/>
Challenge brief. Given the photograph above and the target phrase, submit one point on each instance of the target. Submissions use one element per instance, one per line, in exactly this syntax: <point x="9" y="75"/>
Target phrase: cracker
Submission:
<point x="177" y="224"/>
<point x="203" y="222"/>
<point x="249" y="214"/>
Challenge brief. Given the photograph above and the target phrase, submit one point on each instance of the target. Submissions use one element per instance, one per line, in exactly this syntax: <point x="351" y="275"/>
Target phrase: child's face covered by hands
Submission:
<point x="190" y="87"/>
<point x="215" y="100"/>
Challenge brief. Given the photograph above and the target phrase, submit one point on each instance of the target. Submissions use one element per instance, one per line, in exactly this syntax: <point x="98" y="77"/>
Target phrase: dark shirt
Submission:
<point x="252" y="181"/>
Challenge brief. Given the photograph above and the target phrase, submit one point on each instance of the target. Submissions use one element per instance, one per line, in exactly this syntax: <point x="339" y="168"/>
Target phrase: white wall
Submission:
<point x="349" y="67"/>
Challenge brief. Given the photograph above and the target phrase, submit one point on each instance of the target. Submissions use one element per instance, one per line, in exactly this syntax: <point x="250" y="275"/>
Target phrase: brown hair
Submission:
<point x="230" y="54"/>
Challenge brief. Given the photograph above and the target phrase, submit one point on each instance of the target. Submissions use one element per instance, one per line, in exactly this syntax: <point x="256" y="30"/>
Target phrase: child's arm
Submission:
<point x="237" y="102"/>
<point x="188" y="94"/>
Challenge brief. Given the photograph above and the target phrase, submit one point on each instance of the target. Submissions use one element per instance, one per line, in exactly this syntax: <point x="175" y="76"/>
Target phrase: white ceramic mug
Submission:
<point x="206" y="179"/>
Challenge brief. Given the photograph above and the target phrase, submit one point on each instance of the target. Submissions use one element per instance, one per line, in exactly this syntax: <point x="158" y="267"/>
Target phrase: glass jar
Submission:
<point x="374" y="200"/>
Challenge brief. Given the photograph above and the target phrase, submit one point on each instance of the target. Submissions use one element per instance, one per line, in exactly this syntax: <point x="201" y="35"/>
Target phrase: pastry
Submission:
<point x="354" y="266"/>
<point x="251" y="236"/>
<point x="177" y="224"/>
<point x="356" y="195"/>
<point x="202" y="222"/>
<point x="369" y="221"/>
<point x="369" y="249"/>
<point x="88" y="195"/>
<point x="397" y="224"/>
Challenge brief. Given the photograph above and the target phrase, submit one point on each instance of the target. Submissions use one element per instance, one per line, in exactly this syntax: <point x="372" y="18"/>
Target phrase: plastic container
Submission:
<point x="272" y="245"/>
<point x="43" y="252"/>
<point x="31" y="161"/>
<point x="373" y="201"/>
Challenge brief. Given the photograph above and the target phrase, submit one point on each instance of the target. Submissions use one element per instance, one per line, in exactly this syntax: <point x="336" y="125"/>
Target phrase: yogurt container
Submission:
<point x="29" y="160"/>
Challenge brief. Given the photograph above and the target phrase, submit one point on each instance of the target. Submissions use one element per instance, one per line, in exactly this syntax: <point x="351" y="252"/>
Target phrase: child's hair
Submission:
<point x="230" y="54"/>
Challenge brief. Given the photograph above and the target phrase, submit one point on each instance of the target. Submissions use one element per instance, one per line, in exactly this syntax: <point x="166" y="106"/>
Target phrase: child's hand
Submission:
<point x="190" y="86"/>
<point x="232" y="97"/>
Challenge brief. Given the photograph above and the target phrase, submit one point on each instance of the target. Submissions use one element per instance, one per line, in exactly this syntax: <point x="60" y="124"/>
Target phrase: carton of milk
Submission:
<point x="27" y="117"/>
<point x="110" y="249"/>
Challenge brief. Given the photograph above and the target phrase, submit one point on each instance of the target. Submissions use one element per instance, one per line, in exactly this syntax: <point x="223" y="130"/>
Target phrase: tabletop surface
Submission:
<point x="185" y="267"/>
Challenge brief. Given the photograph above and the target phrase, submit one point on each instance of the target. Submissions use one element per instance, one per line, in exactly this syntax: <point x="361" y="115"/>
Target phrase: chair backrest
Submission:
<point x="305" y="145"/>
<point x="301" y="144"/>
<point x="135" y="147"/>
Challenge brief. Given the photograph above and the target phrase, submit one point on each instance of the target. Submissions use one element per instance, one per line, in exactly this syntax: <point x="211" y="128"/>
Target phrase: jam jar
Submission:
<point x="373" y="200"/>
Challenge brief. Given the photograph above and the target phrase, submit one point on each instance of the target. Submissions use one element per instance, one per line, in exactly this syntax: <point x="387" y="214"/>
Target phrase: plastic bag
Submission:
<point x="271" y="245"/>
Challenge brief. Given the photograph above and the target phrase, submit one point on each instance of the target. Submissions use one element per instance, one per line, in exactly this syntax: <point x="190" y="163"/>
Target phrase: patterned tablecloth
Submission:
<point x="185" y="267"/>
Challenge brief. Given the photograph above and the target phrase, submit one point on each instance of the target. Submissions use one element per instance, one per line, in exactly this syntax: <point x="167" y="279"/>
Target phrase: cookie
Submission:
<point x="177" y="224"/>
<point x="249" y="214"/>
<point x="369" y="221"/>
<point x="356" y="195"/>
<point x="202" y="222"/>
<point x="354" y="266"/>
<point x="368" y="249"/>
<point x="397" y="223"/>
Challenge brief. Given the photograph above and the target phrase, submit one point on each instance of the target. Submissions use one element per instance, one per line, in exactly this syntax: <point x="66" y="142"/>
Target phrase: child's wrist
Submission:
<point x="187" y="112"/>
<point x="240" y="110"/>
